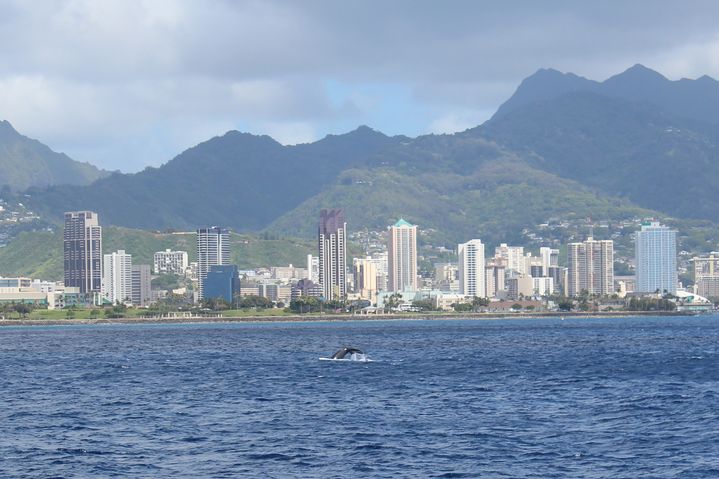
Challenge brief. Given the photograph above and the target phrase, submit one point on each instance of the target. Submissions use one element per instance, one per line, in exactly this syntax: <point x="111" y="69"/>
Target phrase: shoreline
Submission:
<point x="324" y="318"/>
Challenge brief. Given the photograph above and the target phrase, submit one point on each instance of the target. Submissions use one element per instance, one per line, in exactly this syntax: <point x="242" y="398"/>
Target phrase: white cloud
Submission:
<point x="124" y="83"/>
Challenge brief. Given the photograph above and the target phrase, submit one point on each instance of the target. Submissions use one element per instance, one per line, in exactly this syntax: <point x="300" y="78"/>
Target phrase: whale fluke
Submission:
<point x="345" y="351"/>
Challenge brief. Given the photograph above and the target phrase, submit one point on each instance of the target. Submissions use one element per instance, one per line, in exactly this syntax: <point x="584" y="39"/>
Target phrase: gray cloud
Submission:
<point x="125" y="84"/>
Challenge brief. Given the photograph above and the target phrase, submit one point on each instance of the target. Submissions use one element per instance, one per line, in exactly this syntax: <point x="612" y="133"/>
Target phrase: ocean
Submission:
<point x="540" y="398"/>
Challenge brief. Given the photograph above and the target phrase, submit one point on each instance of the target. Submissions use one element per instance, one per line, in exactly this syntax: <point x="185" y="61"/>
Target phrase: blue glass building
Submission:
<point x="222" y="281"/>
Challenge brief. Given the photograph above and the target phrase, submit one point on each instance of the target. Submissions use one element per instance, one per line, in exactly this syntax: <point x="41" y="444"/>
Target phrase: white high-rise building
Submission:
<point x="381" y="262"/>
<point x="313" y="268"/>
<point x="471" y="269"/>
<point x="590" y="267"/>
<point x="656" y="256"/>
<point x="170" y="262"/>
<point x="332" y="244"/>
<point x="402" y="257"/>
<point x="550" y="259"/>
<point x="213" y="249"/>
<point x="117" y="277"/>
<point x="512" y="257"/>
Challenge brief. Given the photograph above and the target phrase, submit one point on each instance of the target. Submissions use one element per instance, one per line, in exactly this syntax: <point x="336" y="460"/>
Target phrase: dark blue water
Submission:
<point x="634" y="397"/>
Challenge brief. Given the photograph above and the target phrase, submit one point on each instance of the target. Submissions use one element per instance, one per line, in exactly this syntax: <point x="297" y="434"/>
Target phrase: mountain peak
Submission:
<point x="544" y="84"/>
<point x="29" y="163"/>
<point x="637" y="75"/>
<point x="7" y="130"/>
<point x="693" y="99"/>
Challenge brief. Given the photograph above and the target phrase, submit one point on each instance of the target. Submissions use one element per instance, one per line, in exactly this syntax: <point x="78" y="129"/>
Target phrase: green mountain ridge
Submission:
<point x="26" y="163"/>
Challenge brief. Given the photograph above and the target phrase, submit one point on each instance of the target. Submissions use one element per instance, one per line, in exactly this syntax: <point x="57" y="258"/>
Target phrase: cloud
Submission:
<point x="128" y="83"/>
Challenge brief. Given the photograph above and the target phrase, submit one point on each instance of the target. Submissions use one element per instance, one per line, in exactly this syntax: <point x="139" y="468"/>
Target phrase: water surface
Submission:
<point x="630" y="397"/>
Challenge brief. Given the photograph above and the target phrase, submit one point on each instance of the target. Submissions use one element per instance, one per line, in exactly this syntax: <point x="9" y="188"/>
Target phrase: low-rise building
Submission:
<point x="170" y="262"/>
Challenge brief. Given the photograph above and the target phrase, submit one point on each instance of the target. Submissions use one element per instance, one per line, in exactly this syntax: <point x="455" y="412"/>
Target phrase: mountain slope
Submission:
<point x="38" y="254"/>
<point x="237" y="180"/>
<point x="25" y="163"/>
<point x="626" y="149"/>
<point x="495" y="202"/>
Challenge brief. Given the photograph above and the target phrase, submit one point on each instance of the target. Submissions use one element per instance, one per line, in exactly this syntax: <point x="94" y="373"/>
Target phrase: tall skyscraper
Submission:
<point x="141" y="286"/>
<point x="381" y="262"/>
<point x="590" y="267"/>
<point x="402" y="257"/>
<point x="117" y="277"/>
<point x="213" y="248"/>
<point x="332" y="245"/>
<point x="82" y="251"/>
<point x="471" y="269"/>
<point x="656" y="256"/>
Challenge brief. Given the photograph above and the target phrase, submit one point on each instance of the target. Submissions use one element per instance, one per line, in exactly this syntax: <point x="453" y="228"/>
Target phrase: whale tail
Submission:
<point x="346" y="351"/>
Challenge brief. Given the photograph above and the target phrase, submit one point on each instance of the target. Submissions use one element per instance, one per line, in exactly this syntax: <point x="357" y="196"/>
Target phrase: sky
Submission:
<point x="126" y="84"/>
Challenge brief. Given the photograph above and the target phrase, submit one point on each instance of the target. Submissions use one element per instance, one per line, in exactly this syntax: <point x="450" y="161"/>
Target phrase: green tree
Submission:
<point x="23" y="309"/>
<point x="423" y="304"/>
<point x="393" y="301"/>
<point x="305" y="304"/>
<point x="462" y="307"/>
<point x="479" y="303"/>
<point x="215" y="304"/>
<point x="259" y="302"/>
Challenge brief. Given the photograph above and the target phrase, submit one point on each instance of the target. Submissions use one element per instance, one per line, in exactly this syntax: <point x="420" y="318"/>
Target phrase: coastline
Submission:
<point x="320" y="318"/>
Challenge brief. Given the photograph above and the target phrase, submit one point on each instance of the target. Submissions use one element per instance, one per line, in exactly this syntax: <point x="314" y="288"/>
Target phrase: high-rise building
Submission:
<point x="222" y="282"/>
<point x="512" y="257"/>
<point x="381" y="262"/>
<point x="590" y="267"/>
<point x="313" y="267"/>
<point x="706" y="275"/>
<point x="402" y="257"/>
<point x="332" y="245"/>
<point x="549" y="258"/>
<point x="494" y="278"/>
<point x="471" y="269"/>
<point x="656" y="256"/>
<point x="559" y="277"/>
<point x="82" y="251"/>
<point x="117" y="277"/>
<point x="170" y="262"/>
<point x="365" y="278"/>
<point x="141" y="286"/>
<point x="213" y="249"/>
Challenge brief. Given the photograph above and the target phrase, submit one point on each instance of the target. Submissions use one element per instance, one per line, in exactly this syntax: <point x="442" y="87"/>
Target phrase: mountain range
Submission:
<point x="636" y="144"/>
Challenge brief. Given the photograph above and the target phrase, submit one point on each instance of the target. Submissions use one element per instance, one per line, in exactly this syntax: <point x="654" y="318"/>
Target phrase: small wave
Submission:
<point x="358" y="358"/>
